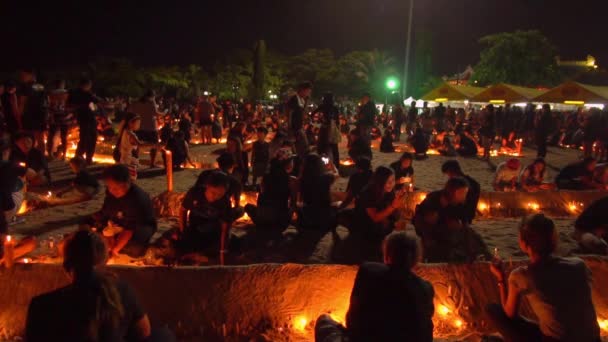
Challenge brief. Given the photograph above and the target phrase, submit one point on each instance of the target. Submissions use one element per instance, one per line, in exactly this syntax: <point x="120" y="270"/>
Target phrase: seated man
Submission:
<point x="442" y="224"/>
<point x="205" y="216"/>
<point x="388" y="301"/>
<point x="23" y="154"/>
<point x="578" y="176"/>
<point x="358" y="146"/>
<point x="126" y="218"/>
<point x="451" y="168"/>
<point x="564" y="312"/>
<point x="467" y="146"/>
<point x="83" y="188"/>
<point x="591" y="228"/>
<point x="506" y="176"/>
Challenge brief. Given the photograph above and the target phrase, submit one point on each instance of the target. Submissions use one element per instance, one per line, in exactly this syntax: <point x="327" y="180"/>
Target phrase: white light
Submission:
<point x="521" y="104"/>
<point x="205" y="93"/>
<point x="594" y="105"/>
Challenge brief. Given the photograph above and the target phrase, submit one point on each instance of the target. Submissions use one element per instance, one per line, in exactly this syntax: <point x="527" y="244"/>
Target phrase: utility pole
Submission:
<point x="407" y="49"/>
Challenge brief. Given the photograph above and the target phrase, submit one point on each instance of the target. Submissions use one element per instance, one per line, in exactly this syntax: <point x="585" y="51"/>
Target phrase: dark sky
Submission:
<point x="180" y="32"/>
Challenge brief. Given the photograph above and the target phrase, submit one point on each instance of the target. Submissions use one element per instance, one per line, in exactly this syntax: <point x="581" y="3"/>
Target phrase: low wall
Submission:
<point x="277" y="302"/>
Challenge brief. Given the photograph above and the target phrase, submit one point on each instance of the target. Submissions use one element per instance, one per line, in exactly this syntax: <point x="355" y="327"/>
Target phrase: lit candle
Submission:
<point x="169" y="168"/>
<point x="188" y="217"/>
<point x="9" y="252"/>
<point x="411" y="186"/>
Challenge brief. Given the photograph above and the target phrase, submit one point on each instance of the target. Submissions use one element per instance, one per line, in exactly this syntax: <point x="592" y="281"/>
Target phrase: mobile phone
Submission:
<point x="325" y="160"/>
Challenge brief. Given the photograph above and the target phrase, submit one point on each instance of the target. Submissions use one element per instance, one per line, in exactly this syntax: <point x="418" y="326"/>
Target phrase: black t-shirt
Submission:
<point x="358" y="181"/>
<point x="35" y="111"/>
<point x="205" y="216"/>
<point x="400" y="172"/>
<point x="389" y="304"/>
<point x="234" y="185"/>
<point x="573" y="172"/>
<point x="81" y="100"/>
<point x="85" y="179"/>
<point x="318" y="194"/>
<point x="34" y="160"/>
<point x="432" y="203"/>
<point x="60" y="315"/>
<point x="470" y="205"/>
<point x="367" y="199"/>
<point x="133" y="211"/>
<point x="367" y="114"/>
<point x="296" y="112"/>
<point x="594" y="216"/>
<point x="467" y="146"/>
<point x="275" y="191"/>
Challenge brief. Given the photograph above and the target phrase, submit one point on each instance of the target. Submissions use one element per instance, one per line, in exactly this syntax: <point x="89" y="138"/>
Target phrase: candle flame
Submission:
<point x="300" y="323"/>
<point x="443" y="310"/>
<point x="9" y="238"/>
<point x="533" y="206"/>
<point x="458" y="323"/>
<point x="482" y="206"/>
<point x="603" y="323"/>
<point x="26" y="260"/>
<point x="22" y="164"/>
<point x="23" y="208"/>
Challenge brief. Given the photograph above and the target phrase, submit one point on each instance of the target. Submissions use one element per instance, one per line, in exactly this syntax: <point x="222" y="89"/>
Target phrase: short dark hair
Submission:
<point x="225" y="160"/>
<point x="403" y="249"/>
<point x="456" y="183"/>
<point x="304" y="85"/>
<point x="406" y="155"/>
<point x="363" y="163"/>
<point x="118" y="173"/>
<point x="216" y="179"/>
<point x="451" y="166"/>
<point x="262" y="130"/>
<point x="538" y="232"/>
<point x="85" y="81"/>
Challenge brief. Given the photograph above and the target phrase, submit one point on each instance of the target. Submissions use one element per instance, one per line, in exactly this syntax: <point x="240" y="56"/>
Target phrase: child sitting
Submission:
<point x="260" y="155"/>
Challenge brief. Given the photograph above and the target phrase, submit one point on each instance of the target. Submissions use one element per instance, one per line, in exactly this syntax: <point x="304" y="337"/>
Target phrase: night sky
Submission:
<point x="61" y="33"/>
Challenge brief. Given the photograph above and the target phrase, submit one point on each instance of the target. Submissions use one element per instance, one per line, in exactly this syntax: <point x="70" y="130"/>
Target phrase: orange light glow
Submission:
<point x="482" y="206"/>
<point x="443" y="310"/>
<point x="23" y="208"/>
<point x="603" y="323"/>
<point x="458" y="323"/>
<point x="533" y="206"/>
<point x="300" y="323"/>
<point x="421" y="197"/>
<point x="9" y="239"/>
<point x="346" y="162"/>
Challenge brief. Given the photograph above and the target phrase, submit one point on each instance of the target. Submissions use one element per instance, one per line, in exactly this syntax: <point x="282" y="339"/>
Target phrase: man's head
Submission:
<point x="451" y="168"/>
<point x="213" y="98"/>
<point x="537" y="235"/>
<point x="546" y="108"/>
<point x="216" y="186"/>
<point x="401" y="250"/>
<point x="226" y="162"/>
<point x="456" y="190"/>
<point x="305" y="89"/>
<point x="86" y="84"/>
<point x="117" y="179"/>
<point x="24" y="141"/>
<point x="262" y="132"/>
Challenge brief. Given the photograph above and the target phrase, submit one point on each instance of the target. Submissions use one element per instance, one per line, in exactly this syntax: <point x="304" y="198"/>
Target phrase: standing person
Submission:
<point x="366" y="117"/>
<point x="565" y="312"/>
<point x="260" y="155"/>
<point x="33" y="107"/>
<point x="206" y="113"/>
<point x="389" y="302"/>
<point x="60" y="118"/>
<point x="83" y="102"/>
<point x="412" y="117"/>
<point x="296" y="111"/>
<point x="149" y="115"/>
<point x="451" y="168"/>
<point x="228" y="110"/>
<point x="329" y="134"/>
<point x="128" y="144"/>
<point x="487" y="131"/>
<point x="10" y="108"/>
<point x="398" y="118"/>
<point x="543" y="127"/>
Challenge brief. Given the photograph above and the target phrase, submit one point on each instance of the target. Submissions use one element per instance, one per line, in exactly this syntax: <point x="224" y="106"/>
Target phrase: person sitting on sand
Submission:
<point x="386" y="143"/>
<point x="180" y="151"/>
<point x="578" y="176"/>
<point x="127" y="217"/>
<point x="564" y="312"/>
<point x="358" y="146"/>
<point x="451" y="168"/>
<point x="205" y="217"/>
<point x="23" y="154"/>
<point x="591" y="228"/>
<point x="278" y="191"/>
<point x="12" y="185"/>
<point x="467" y="146"/>
<point x="314" y="191"/>
<point x="83" y="188"/>
<point x="95" y="306"/>
<point x="532" y="178"/>
<point x="600" y="175"/>
<point x="442" y="224"/>
<point x="506" y="175"/>
<point x="404" y="172"/>
<point x="388" y="301"/>
<point x="358" y="181"/>
<point x="420" y="142"/>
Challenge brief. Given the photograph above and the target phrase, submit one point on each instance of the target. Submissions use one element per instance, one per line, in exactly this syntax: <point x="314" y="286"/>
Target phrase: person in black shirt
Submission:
<point x="544" y="127"/>
<point x="388" y="301"/>
<point x="127" y="216"/>
<point x="404" y="172"/>
<point x="358" y="147"/>
<point x="420" y="142"/>
<point x="205" y="217"/>
<point x="399" y="119"/>
<point x="591" y="228"/>
<point x="442" y="224"/>
<point x="366" y="117"/>
<point x="451" y="168"/>
<point x="358" y="181"/>
<point x="577" y="176"/>
<point x="260" y="155"/>
<point x="487" y="131"/>
<point x="467" y="147"/>
<point x="24" y="155"/>
<point x="60" y="118"/>
<point x="33" y="107"/>
<point x="83" y="102"/>
<point x="296" y="112"/>
<point x="95" y="306"/>
<point x="386" y="143"/>
<point x="314" y="190"/>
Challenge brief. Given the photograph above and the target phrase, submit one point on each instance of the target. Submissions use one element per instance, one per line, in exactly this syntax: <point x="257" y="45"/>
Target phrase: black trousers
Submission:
<point x="88" y="140"/>
<point x="541" y="143"/>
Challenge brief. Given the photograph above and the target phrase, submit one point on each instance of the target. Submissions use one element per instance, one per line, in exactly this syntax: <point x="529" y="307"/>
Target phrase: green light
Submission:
<point x="391" y="83"/>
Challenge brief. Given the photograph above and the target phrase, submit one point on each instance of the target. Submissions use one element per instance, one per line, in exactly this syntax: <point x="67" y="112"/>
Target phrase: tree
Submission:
<point x="257" y="79"/>
<point x="524" y="58"/>
<point x="421" y="69"/>
<point x="367" y="71"/>
<point x="317" y="66"/>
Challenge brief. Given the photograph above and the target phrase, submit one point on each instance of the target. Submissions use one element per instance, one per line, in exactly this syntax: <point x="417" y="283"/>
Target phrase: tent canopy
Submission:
<point x="507" y="93"/>
<point x="575" y="93"/>
<point x="448" y="92"/>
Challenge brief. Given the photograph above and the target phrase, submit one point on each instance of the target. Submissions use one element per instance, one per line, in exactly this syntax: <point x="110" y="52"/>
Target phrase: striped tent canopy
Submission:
<point x="448" y="92"/>
<point x="507" y="93"/>
<point x="575" y="93"/>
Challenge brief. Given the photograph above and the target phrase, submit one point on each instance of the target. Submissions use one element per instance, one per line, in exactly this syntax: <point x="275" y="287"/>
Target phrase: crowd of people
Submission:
<point x="293" y="174"/>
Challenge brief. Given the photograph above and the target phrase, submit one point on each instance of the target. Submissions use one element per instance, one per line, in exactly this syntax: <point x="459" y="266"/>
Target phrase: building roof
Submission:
<point x="575" y="92"/>
<point x="449" y="92"/>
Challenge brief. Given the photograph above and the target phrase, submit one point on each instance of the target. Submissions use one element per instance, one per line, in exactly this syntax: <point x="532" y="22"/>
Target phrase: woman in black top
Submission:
<point x="315" y="185"/>
<point x="329" y="134"/>
<point x="96" y="306"/>
<point x="404" y="172"/>
<point x="577" y="176"/>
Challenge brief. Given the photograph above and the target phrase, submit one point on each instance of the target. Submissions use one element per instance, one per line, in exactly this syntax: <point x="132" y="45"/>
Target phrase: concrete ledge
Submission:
<point x="279" y="302"/>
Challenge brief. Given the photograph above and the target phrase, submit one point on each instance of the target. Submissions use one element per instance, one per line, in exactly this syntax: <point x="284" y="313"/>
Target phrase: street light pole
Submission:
<point x="407" y="48"/>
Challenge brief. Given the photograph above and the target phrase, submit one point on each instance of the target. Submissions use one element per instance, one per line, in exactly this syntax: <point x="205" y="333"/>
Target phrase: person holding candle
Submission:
<point x="565" y="312"/>
<point x="506" y="175"/>
<point x="388" y="301"/>
<point x="533" y="176"/>
<point x="404" y="171"/>
<point x="127" y="217"/>
<point x="451" y="168"/>
<point x="33" y="160"/>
